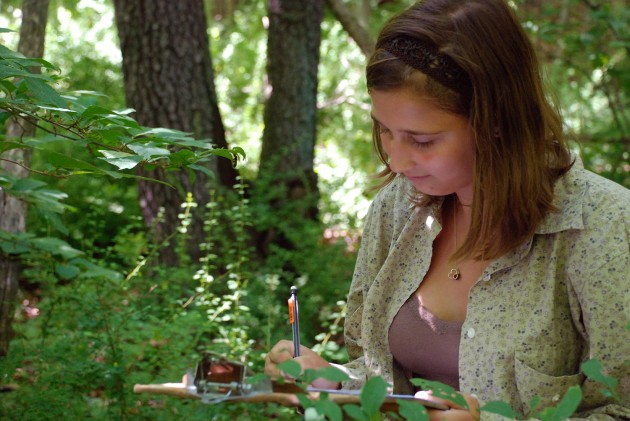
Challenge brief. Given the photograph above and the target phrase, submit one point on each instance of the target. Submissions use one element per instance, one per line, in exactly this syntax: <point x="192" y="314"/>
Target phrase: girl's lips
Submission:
<point x="417" y="177"/>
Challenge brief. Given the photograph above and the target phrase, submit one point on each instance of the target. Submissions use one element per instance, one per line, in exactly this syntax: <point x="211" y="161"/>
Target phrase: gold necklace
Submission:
<point x="454" y="274"/>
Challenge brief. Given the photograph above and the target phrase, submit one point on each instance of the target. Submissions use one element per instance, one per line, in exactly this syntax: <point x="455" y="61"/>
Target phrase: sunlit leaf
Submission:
<point x="148" y="150"/>
<point x="441" y="390"/>
<point x="312" y="414"/>
<point x="122" y="160"/>
<point x="164" y="133"/>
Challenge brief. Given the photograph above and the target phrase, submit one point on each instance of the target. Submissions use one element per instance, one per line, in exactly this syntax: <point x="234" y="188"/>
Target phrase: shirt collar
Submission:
<point x="568" y="198"/>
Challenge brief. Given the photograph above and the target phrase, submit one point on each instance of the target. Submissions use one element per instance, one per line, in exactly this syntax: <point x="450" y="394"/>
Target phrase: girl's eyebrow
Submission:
<point x="411" y="132"/>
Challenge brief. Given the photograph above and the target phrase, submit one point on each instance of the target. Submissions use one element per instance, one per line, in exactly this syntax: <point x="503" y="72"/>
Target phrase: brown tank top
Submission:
<point x="424" y="345"/>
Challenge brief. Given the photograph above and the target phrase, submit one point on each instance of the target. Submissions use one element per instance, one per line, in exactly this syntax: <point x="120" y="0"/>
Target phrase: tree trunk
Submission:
<point x="288" y="149"/>
<point x="13" y="211"/>
<point x="169" y="81"/>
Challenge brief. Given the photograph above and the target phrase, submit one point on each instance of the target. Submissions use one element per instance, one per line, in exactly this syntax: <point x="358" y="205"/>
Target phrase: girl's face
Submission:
<point x="433" y="148"/>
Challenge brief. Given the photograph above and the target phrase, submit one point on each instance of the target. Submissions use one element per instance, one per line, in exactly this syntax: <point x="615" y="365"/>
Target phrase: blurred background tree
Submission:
<point x="13" y="210"/>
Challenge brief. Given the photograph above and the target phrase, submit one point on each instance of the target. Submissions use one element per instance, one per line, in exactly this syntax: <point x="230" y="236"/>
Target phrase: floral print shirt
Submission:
<point x="533" y="316"/>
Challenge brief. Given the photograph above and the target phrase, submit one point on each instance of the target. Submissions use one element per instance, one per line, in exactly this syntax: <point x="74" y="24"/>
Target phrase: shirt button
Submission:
<point x="487" y="277"/>
<point x="470" y="333"/>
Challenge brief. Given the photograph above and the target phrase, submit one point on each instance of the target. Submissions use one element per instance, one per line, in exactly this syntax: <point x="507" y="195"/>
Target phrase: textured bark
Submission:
<point x="288" y="149"/>
<point x="169" y="81"/>
<point x="13" y="211"/>
<point x="293" y="58"/>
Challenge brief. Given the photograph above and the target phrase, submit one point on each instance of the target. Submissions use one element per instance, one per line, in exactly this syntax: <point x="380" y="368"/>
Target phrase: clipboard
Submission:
<point x="218" y="380"/>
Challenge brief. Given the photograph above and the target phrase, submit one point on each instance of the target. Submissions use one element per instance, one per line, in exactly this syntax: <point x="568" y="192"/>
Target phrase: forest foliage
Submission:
<point x="98" y="313"/>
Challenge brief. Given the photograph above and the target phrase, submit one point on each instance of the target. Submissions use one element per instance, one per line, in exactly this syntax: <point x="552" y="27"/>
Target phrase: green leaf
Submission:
<point x="239" y="151"/>
<point x="329" y="373"/>
<point x="60" y="109"/>
<point x="291" y="367"/>
<point x="199" y="144"/>
<point x="66" y="271"/>
<point x="223" y="153"/>
<point x="92" y="270"/>
<point x="122" y="160"/>
<point x="43" y="92"/>
<point x="329" y="408"/>
<point x="304" y="400"/>
<point x="500" y="408"/>
<point x="110" y="134"/>
<point x="412" y="411"/>
<point x="149" y="150"/>
<point x="162" y="132"/>
<point x="565" y="408"/>
<point x="182" y="157"/>
<point x="59" y="160"/>
<point x="205" y="170"/>
<point x="7" y="145"/>
<point x="534" y="402"/>
<point x="355" y="412"/>
<point x="373" y="394"/>
<point x="15" y="243"/>
<point x="26" y="185"/>
<point x="93" y="111"/>
<point x="441" y="390"/>
<point x="594" y="370"/>
<point x="57" y="247"/>
<point x="7" y="53"/>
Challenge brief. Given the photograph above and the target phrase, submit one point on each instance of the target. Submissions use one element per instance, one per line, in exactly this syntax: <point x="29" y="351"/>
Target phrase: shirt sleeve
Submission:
<point x="356" y="367"/>
<point x="604" y="316"/>
<point x="375" y="244"/>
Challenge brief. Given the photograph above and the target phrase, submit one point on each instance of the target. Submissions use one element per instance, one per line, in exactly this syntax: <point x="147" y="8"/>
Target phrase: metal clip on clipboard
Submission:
<point x="218" y="379"/>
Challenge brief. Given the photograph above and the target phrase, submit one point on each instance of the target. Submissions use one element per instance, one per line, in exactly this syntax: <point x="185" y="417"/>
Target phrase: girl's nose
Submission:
<point x="399" y="156"/>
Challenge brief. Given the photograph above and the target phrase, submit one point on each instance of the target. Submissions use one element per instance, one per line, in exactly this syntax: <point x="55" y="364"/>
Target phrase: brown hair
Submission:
<point x="520" y="149"/>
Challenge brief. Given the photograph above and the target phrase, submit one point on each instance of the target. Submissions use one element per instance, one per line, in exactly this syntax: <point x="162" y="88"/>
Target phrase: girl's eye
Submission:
<point x="422" y="143"/>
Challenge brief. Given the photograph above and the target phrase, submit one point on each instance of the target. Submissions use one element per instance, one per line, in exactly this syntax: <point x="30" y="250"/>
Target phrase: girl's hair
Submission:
<point x="520" y="149"/>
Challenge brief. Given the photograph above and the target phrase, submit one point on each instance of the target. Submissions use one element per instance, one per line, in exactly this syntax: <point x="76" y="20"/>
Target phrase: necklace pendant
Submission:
<point x="454" y="274"/>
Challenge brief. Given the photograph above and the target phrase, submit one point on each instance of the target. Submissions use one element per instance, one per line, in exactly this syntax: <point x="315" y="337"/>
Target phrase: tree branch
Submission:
<point x="353" y="27"/>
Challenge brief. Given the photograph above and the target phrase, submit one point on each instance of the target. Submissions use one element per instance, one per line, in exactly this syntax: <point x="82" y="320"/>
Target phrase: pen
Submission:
<point x="295" y="321"/>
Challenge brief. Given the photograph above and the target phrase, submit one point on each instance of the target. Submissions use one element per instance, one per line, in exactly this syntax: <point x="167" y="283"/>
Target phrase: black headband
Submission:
<point x="427" y="59"/>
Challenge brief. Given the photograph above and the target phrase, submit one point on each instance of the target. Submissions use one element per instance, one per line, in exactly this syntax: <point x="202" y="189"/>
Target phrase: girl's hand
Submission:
<point x="308" y="359"/>
<point x="456" y="412"/>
